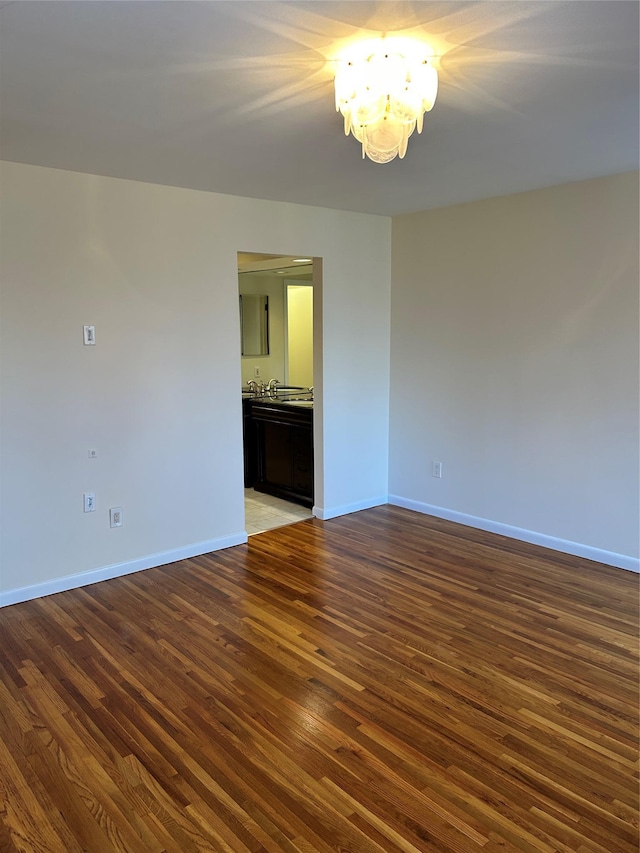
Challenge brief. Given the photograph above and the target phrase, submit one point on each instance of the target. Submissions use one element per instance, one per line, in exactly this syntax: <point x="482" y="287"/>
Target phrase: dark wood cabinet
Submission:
<point x="249" y="444"/>
<point x="283" y="451"/>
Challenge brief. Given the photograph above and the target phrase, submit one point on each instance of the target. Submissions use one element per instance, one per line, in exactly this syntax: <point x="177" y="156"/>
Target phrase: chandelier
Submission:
<point x="383" y="95"/>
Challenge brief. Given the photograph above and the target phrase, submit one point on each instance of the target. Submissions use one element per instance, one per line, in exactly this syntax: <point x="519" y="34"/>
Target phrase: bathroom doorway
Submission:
<point x="279" y="396"/>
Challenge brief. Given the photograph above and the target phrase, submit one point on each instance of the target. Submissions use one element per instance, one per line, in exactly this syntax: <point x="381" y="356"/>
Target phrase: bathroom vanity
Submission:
<point x="278" y="447"/>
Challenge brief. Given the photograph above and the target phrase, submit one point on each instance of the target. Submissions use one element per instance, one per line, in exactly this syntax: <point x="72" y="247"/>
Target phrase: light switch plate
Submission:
<point x="89" y="333"/>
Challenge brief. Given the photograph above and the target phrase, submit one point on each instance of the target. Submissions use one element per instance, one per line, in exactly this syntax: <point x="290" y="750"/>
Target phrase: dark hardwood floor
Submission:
<point x="384" y="681"/>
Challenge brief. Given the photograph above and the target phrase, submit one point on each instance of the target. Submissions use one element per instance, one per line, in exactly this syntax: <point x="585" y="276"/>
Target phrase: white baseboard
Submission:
<point x="325" y="513"/>
<point x="621" y="561"/>
<point x="26" y="593"/>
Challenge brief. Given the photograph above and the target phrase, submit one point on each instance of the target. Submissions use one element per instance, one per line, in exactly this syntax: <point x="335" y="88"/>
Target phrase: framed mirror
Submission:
<point x="254" y="323"/>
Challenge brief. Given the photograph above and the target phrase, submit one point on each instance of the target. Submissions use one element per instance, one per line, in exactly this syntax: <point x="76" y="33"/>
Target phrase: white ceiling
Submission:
<point x="236" y="97"/>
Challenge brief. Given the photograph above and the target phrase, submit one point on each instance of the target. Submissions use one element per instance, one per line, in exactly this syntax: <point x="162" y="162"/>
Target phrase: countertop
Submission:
<point x="293" y="398"/>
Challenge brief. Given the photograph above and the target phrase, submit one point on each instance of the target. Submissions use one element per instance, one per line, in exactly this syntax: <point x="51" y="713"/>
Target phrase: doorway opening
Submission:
<point x="279" y="357"/>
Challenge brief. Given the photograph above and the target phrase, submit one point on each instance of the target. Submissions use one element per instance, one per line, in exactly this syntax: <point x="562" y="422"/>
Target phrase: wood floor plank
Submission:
<point x="384" y="681"/>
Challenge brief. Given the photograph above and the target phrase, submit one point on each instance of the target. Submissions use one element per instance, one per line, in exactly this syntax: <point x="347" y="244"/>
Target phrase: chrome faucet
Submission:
<point x="272" y="387"/>
<point x="252" y="385"/>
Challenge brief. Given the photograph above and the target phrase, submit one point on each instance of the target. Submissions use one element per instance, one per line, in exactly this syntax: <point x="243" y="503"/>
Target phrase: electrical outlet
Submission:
<point x="93" y="454"/>
<point x="436" y="469"/>
<point x="89" y="502"/>
<point x="256" y="372"/>
<point x="115" y="516"/>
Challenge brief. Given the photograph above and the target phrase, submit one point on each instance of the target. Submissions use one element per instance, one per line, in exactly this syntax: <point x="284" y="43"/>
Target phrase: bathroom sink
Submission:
<point x="289" y="395"/>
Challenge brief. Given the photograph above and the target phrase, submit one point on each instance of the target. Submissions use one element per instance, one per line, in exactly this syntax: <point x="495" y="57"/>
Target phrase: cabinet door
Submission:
<point x="302" y="461"/>
<point x="276" y="454"/>
<point x="249" y="446"/>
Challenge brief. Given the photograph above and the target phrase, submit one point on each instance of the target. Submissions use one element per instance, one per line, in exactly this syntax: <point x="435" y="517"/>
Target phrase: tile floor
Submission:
<point x="264" y="512"/>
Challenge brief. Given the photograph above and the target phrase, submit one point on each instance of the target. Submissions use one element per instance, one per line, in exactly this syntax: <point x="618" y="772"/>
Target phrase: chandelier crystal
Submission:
<point x="383" y="97"/>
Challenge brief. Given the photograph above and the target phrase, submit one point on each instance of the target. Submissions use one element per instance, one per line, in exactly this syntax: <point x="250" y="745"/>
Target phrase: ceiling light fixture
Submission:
<point x="383" y="92"/>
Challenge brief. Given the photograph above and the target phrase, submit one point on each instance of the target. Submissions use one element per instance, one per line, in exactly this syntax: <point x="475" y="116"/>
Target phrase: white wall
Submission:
<point x="154" y="268"/>
<point x="515" y="364"/>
